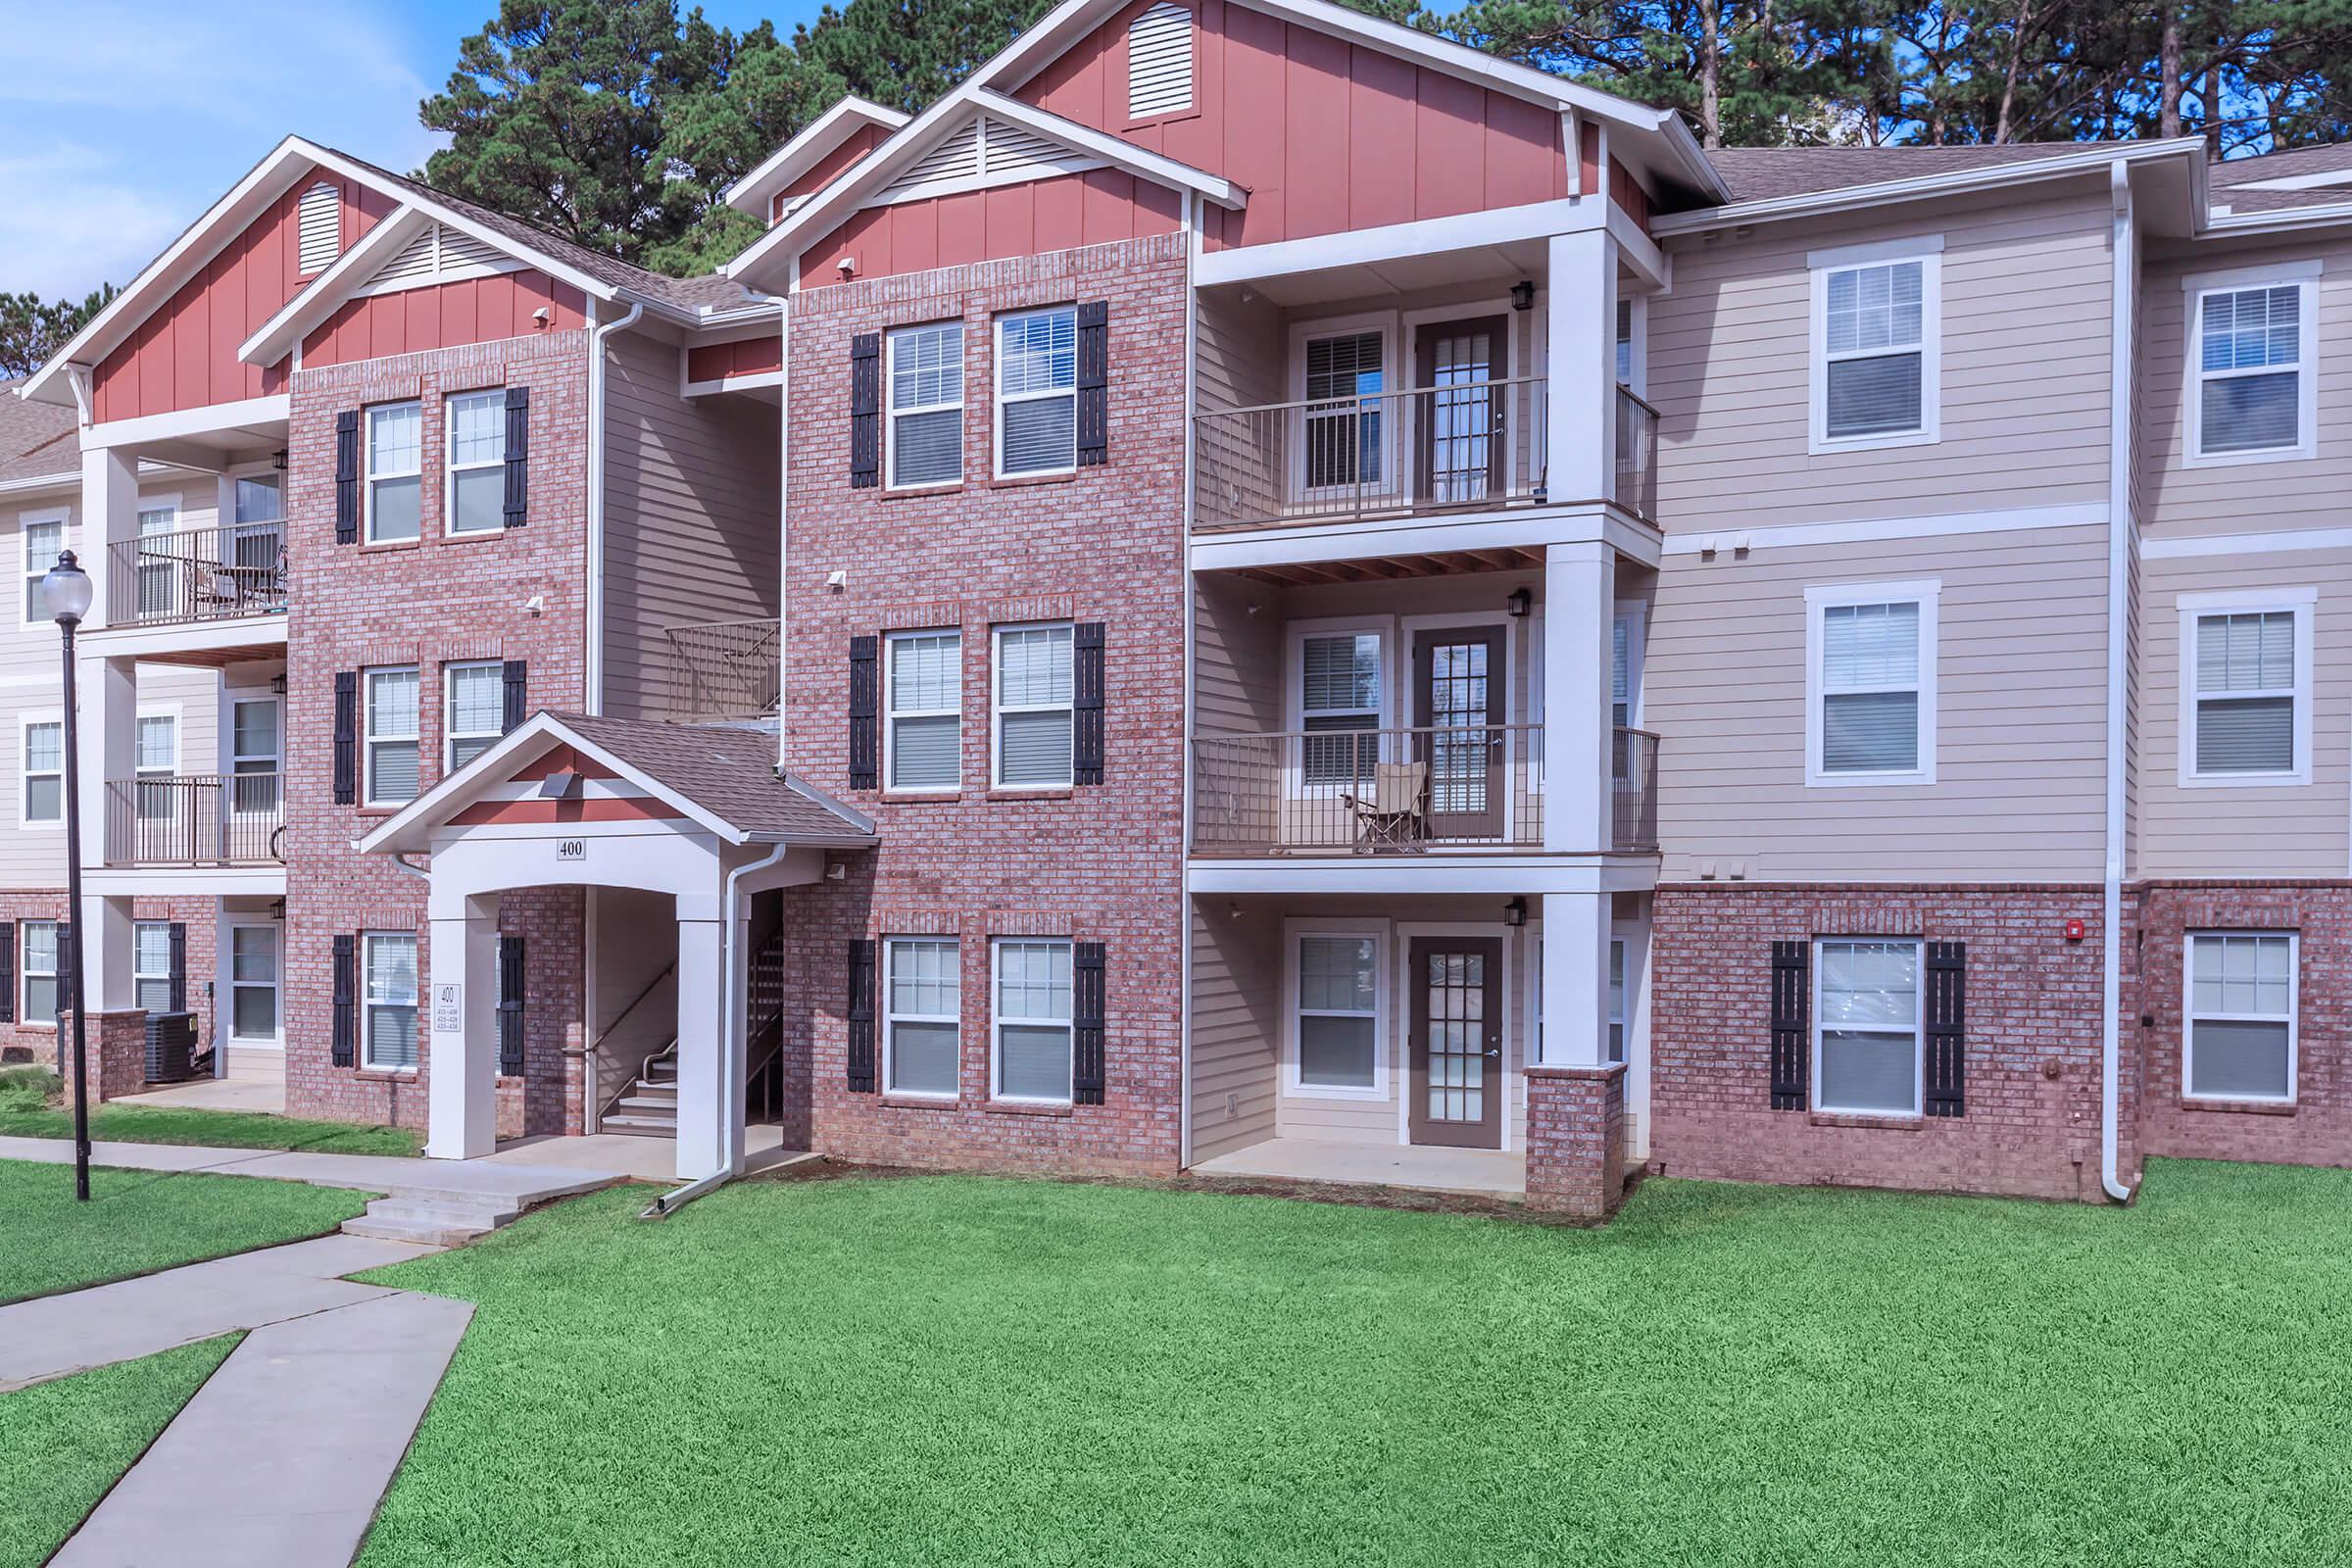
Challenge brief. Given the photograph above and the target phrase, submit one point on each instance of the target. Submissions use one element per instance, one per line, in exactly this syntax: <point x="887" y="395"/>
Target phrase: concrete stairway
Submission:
<point x="431" y="1216"/>
<point x="650" y="1109"/>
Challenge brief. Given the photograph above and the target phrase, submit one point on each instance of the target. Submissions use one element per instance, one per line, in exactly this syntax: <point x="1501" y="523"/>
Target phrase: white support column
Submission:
<point x="1581" y="325"/>
<point x="1576" y="979"/>
<point x="109" y="512"/>
<point x="106" y="964"/>
<point x="711" y="1068"/>
<point x="461" y="1086"/>
<point x="1580" y="594"/>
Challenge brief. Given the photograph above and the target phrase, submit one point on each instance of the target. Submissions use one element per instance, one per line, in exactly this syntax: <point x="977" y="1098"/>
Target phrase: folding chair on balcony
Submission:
<point x="1394" y="813"/>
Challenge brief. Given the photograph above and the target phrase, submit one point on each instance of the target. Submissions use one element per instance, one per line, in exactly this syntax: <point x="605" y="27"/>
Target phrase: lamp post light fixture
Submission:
<point x="66" y="594"/>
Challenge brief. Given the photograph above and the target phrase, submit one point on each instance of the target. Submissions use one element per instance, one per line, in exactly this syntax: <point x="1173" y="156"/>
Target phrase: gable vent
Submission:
<point x="985" y="152"/>
<point x="438" y="254"/>
<point x="957" y="158"/>
<point x="319" y="222"/>
<point x="413" y="264"/>
<point x="1159" y="60"/>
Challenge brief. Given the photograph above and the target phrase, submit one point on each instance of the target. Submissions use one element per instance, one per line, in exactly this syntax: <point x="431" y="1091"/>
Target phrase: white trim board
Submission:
<point x="1872" y="530"/>
<point x="2272" y="542"/>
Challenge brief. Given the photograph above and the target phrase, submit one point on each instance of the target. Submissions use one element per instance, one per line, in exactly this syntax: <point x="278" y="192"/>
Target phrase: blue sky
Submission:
<point x="127" y="118"/>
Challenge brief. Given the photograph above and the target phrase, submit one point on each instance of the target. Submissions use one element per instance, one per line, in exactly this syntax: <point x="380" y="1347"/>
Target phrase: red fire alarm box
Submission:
<point x="2073" y="930"/>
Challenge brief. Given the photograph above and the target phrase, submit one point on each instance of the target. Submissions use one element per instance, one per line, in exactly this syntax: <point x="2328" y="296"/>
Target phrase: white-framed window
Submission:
<point x="1341" y="695"/>
<point x="477" y="461"/>
<point x="921" y="1010"/>
<point x="43" y="540"/>
<point x="1869" y="1045"/>
<point x="923" y="697"/>
<point x="1870" y="665"/>
<point x="1035" y="694"/>
<point x="36" y="958"/>
<point x="1030" y="1015"/>
<point x="150" y="965"/>
<point x="1877" y="344"/>
<point x="42" y="772"/>
<point x="1037" y="392"/>
<point x="392" y="732"/>
<point x="395" y="471"/>
<point x="1626" y="637"/>
<point x="2253" y="350"/>
<point x="2245" y="686"/>
<point x="926" y="405"/>
<point x="252" y="753"/>
<point x="158" y="760"/>
<point x="1159" y="60"/>
<point x="1336" y="1025"/>
<point x="475" y="694"/>
<point x="2239" y="1039"/>
<point x="388" y="999"/>
<point x="1616" y="998"/>
<point x="160" y="563"/>
<point x="253" y="982"/>
<point x="1345" y="442"/>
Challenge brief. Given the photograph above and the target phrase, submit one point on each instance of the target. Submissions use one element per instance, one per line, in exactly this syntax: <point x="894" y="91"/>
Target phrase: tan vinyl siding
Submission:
<point x="2025" y="370"/>
<point x="2021" y="714"/>
<point x="1236" y="1027"/>
<point x="1237" y="657"/>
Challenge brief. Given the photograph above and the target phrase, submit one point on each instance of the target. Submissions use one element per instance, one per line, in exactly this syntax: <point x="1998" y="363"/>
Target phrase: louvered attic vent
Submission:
<point x="989" y="149"/>
<point x="1159" y="60"/>
<point x="318" y="220"/>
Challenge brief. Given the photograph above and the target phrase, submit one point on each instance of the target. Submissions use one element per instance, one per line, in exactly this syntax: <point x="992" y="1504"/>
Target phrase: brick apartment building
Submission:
<point x="1252" y="591"/>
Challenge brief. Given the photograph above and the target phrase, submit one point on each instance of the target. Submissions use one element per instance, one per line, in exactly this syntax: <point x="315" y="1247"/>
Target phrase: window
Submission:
<point x="1342" y="436"/>
<point x="391" y="736"/>
<point x="1616" y="998"/>
<point x="1159" y="60"/>
<point x="252" y="753"/>
<point x="253" y="982"/>
<point x="44" y="540"/>
<point x="1037" y="392"/>
<point x="43" y="785"/>
<point x="921" y="1006"/>
<point x="1625" y="342"/>
<point x="2251" y="381"/>
<point x="388" y="999"/>
<point x="1033" y="707"/>
<point x="1875" y="346"/>
<point x="36" y="949"/>
<point x="2245" y="687"/>
<point x="926" y="405"/>
<point x="395" y="471"/>
<point x="1867" y="1042"/>
<point x="1340" y="697"/>
<point x="925" y="733"/>
<point x="150" y="965"/>
<point x="157" y="738"/>
<point x="2240" y="1040"/>
<point x="1033" y="1019"/>
<point x="1871" y="663"/>
<point x="1621" y="673"/>
<point x="1339" y="1023"/>
<point x="319" y="223"/>
<point x="160" y="560"/>
<point x="476" y="694"/>
<point x="258" y="535"/>
<point x="477" y="461"/>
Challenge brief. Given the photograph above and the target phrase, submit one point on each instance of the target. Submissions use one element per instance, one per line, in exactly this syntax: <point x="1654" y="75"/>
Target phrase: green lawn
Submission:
<point x="69" y="1440"/>
<point x="139" y="1221"/>
<point x="29" y="1109"/>
<point x="957" y="1369"/>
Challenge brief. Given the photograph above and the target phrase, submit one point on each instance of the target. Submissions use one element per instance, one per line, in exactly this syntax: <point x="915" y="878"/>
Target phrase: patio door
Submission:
<point x="1457" y="1090"/>
<point x="1460" y="438"/>
<point x="253" y="977"/>
<point x="1458" y="682"/>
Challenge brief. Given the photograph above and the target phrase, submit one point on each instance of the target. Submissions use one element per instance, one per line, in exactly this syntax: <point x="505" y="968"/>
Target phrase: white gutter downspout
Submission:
<point x="592" y="698"/>
<point x="784" y="515"/>
<point x="2119" y="526"/>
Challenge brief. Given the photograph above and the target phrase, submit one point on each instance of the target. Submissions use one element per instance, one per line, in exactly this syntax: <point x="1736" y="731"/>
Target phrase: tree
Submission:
<point x="904" y="53"/>
<point x="32" y="328"/>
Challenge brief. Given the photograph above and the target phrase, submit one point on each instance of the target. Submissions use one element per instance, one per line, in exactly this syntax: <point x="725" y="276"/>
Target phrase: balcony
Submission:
<point x="196" y="820"/>
<point x="721" y="671"/>
<point x="1357" y="792"/>
<point x="198" y="574"/>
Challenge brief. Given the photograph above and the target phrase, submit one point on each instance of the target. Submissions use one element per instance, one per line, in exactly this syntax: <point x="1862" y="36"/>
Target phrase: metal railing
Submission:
<point x="1396" y="790"/>
<point x="1421" y="448"/>
<point x="216" y="573"/>
<point x="1635" y="471"/>
<point x="196" y="819"/>
<point x="723" y="669"/>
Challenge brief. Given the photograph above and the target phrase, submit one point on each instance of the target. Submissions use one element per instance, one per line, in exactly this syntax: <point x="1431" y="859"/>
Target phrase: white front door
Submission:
<point x="253" y="998"/>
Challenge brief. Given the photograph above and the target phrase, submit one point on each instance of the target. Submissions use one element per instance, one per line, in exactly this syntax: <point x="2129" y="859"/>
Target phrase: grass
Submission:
<point x="70" y="1440"/>
<point x="30" y="1109"/>
<point x="961" y="1369"/>
<point x="139" y="1221"/>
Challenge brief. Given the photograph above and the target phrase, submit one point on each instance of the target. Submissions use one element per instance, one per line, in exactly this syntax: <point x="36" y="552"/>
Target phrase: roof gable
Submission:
<point x="819" y="145"/>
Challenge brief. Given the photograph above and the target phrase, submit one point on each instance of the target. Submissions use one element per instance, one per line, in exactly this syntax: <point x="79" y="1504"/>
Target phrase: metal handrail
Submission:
<point x="212" y="573"/>
<point x="1320" y="405"/>
<point x="724" y="669"/>
<point x="196" y="819"/>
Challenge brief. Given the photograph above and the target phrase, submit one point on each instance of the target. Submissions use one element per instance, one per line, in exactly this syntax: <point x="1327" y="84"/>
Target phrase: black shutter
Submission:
<point x="69" y="983"/>
<point x="518" y="454"/>
<point x="1093" y="383"/>
<point x="347" y="737"/>
<point x="8" y="971"/>
<point x="1791" y="1026"/>
<point x="866" y="713"/>
<point x="347" y="999"/>
<point x="347" y="477"/>
<point x="510" y="1007"/>
<point x="1086" y="1024"/>
<point x="517" y="694"/>
<point x="866" y="410"/>
<point x="1948" y="1029"/>
<point x="861" y="1015"/>
<point x="1086" y="718"/>
<point x="179" y="969"/>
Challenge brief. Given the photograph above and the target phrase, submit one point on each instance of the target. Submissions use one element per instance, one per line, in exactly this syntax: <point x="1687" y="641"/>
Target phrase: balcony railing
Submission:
<point x="205" y="819"/>
<point x="1472" y="445"/>
<point x="1396" y="791"/>
<point x="1635" y="473"/>
<point x="211" y="574"/>
<point x="723" y="669"/>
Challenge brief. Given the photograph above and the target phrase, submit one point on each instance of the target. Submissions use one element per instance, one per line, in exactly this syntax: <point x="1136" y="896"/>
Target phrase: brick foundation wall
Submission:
<point x="115" y="1053"/>
<point x="1576" y="1140"/>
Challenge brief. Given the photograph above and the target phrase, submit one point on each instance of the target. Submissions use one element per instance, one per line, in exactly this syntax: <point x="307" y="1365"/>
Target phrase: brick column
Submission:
<point x="118" y="1053"/>
<point x="1576" y="1140"/>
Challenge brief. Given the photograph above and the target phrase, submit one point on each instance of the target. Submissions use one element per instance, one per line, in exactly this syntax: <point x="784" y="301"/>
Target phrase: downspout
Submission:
<point x="784" y="517"/>
<point x="2119" y="524"/>
<point x="592" y="697"/>
<point x="1188" y="606"/>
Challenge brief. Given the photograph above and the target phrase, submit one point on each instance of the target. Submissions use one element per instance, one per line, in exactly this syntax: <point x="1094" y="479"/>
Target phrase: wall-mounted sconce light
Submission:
<point x="1523" y="295"/>
<point x="1520" y="602"/>
<point x="1514" y="913"/>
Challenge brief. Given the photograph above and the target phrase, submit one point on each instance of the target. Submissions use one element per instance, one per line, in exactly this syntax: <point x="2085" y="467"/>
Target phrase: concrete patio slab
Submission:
<point x="1471" y="1172"/>
<point x="264" y="1096"/>
<point x="645" y="1160"/>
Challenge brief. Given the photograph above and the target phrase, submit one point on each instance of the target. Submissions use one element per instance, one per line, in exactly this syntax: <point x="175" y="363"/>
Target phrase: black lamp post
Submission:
<point x="65" y="592"/>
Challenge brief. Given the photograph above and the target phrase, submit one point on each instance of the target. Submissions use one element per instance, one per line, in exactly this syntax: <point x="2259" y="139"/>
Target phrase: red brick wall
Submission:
<point x="1096" y="863"/>
<point x="2031" y="1125"/>
<point x="426" y="604"/>
<point x="38" y="1043"/>
<point x="1576" y="1140"/>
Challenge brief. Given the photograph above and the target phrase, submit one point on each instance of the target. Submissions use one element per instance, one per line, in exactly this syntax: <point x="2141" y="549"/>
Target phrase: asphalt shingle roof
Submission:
<point x="1762" y="174"/>
<point x="36" y="439"/>
<point x="727" y="770"/>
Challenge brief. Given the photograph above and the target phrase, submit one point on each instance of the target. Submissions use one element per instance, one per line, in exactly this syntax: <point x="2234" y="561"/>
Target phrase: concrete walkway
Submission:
<point x="486" y="1179"/>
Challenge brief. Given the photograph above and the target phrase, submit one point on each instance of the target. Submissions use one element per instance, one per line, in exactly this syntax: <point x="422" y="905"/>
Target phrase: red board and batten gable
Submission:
<point x="827" y="168"/>
<point x="444" y="316"/>
<point x="1054" y="213"/>
<point x="751" y="356"/>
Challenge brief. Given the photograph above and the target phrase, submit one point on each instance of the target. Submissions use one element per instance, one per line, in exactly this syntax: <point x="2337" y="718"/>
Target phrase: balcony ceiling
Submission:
<point x="1392" y="568"/>
<point x="1485" y="267"/>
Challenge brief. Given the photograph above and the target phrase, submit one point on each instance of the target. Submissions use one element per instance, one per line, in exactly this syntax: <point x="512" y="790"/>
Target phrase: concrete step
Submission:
<point x="422" y="1232"/>
<point x="442" y="1221"/>
<point x="641" y="1103"/>
<point x="640" y="1126"/>
<point x="662" y="1090"/>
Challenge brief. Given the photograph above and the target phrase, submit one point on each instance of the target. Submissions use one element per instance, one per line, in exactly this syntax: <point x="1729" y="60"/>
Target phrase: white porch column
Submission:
<point x="461" y="1084"/>
<point x="711" y="1068"/>
<point x="107" y="695"/>
<point x="1579" y="593"/>
<point x="106" y="964"/>
<point x="1576" y="979"/>
<point x="109" y="512"/>
<point x="1581" y="322"/>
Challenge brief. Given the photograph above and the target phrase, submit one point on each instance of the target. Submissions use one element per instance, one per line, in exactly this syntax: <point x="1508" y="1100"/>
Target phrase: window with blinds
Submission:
<point x="921" y="1003"/>
<point x="1342" y="436"/>
<point x="476" y="424"/>
<point x="2240" y="1043"/>
<point x="1035" y="702"/>
<point x="925" y="693"/>
<point x="41" y="782"/>
<point x="2246" y="692"/>
<point x="392" y="735"/>
<point x="1037" y="392"/>
<point x="478" y="707"/>
<point x="1870" y="688"/>
<point x="157" y="755"/>
<point x="1873" y="376"/>
<point x="1339" y="705"/>
<point x="1337" y="1018"/>
<point x="318" y="227"/>
<point x="926" y="405"/>
<point x="1159" y="60"/>
<point x="150" y="965"/>
<point x="1867" y="1040"/>
<point x="38" y="946"/>
<point x="388" y="1001"/>
<point x="1034" y="1019"/>
<point x="2250" y="370"/>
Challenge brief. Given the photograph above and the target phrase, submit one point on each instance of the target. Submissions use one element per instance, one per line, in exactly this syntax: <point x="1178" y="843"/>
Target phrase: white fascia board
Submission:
<point x="179" y="423"/>
<point x="2319" y="181"/>
<point x="751" y="193"/>
<point x="2227" y="224"/>
<point x="33" y="484"/>
<point x="1117" y="151"/>
<point x="180" y="639"/>
<point x="1502" y="875"/>
<point x="1425" y="236"/>
<point x="275" y="338"/>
